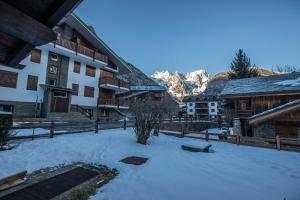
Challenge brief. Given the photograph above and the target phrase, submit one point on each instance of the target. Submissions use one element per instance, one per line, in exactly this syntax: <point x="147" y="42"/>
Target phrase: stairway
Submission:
<point x="68" y="117"/>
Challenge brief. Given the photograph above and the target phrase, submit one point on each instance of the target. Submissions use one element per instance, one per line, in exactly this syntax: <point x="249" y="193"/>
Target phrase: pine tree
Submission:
<point x="241" y="67"/>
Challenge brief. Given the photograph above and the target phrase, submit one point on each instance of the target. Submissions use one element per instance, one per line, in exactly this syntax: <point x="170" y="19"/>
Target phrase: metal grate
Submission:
<point x="52" y="187"/>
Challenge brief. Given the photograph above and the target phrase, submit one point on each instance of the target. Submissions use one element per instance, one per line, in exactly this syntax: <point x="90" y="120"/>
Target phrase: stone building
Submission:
<point x="265" y="106"/>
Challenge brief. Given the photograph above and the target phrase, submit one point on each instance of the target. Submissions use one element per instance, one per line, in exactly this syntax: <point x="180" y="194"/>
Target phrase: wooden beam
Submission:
<point x="20" y="25"/>
<point x="19" y="54"/>
<point x="65" y="7"/>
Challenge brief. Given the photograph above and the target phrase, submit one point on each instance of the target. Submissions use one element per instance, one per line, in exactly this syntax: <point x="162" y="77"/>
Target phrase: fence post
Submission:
<point x="124" y="125"/>
<point x="96" y="126"/>
<point x="52" y="129"/>
<point x="278" y="142"/>
<point x="238" y="139"/>
<point x="32" y="134"/>
<point x="206" y="135"/>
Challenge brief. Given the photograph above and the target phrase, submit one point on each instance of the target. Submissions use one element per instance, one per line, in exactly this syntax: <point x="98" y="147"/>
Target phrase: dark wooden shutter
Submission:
<point x="90" y="71"/>
<point x="75" y="89"/>
<point x="77" y="67"/>
<point x="88" y="91"/>
<point x="36" y="55"/>
<point x="32" y="82"/>
<point x="8" y="79"/>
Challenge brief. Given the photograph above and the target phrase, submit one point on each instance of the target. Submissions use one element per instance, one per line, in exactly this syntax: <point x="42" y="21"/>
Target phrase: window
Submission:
<point x="54" y="57"/>
<point x="52" y="69"/>
<point x="32" y="82"/>
<point x="212" y="110"/>
<point x="191" y="104"/>
<point x="60" y="94"/>
<point x="191" y="110"/>
<point x="243" y="106"/>
<point x="90" y="71"/>
<point x="76" y="67"/>
<point x="6" y="108"/>
<point x="8" y="79"/>
<point x="52" y="82"/>
<point x="36" y="56"/>
<point x="212" y="104"/>
<point x="75" y="89"/>
<point x="88" y="91"/>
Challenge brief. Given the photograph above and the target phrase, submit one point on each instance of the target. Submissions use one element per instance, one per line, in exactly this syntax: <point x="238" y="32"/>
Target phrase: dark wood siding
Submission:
<point x="90" y="71"/>
<point x="36" y="55"/>
<point x="32" y="82"/>
<point x="8" y="79"/>
<point x="88" y="91"/>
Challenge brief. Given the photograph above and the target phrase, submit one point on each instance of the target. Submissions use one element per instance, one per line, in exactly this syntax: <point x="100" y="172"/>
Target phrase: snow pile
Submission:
<point x="292" y="82"/>
<point x="180" y="85"/>
<point x="231" y="173"/>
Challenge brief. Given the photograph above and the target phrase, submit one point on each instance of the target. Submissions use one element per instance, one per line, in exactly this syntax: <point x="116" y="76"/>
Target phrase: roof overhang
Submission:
<point x="28" y="23"/>
<point x="275" y="112"/>
<point x="76" y="23"/>
<point x="259" y="94"/>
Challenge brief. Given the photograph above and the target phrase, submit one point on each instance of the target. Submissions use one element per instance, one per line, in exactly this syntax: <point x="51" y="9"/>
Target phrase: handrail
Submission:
<point x="78" y="48"/>
<point x="86" y="112"/>
<point x="113" y="81"/>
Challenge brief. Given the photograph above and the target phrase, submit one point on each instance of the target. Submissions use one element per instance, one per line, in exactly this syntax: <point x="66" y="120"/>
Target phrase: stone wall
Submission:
<point x="192" y="126"/>
<point x="266" y="129"/>
<point x="24" y="109"/>
<point x="237" y="129"/>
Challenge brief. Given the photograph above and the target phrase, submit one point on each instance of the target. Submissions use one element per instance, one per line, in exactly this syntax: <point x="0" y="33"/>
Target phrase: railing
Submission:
<point x="113" y="102"/>
<point x="113" y="81"/>
<point x="78" y="48"/>
<point x="86" y="112"/>
<point x="244" y="113"/>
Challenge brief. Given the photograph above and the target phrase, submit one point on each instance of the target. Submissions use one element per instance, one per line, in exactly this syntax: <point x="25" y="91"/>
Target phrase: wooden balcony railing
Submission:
<point x="113" y="81"/>
<point x="113" y="102"/>
<point x="244" y="113"/>
<point x="78" y="48"/>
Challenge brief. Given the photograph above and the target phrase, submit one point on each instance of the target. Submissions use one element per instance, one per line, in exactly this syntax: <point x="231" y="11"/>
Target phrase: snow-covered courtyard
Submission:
<point x="231" y="172"/>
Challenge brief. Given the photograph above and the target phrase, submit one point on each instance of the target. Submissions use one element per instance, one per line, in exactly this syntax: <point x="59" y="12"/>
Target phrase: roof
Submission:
<point x="138" y="80"/>
<point x="28" y="23"/>
<point x="274" y="112"/>
<point x="284" y="83"/>
<point x="89" y="34"/>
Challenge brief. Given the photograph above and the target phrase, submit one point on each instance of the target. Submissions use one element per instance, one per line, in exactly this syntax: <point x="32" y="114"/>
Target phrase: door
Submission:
<point x="62" y="104"/>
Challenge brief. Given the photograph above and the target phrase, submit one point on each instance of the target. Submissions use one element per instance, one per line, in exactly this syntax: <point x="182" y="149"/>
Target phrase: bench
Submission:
<point x="196" y="148"/>
<point x="12" y="180"/>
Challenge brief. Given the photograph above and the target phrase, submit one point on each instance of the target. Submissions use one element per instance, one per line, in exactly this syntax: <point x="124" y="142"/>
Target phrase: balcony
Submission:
<point x="111" y="83"/>
<point x="113" y="103"/>
<point x="78" y="48"/>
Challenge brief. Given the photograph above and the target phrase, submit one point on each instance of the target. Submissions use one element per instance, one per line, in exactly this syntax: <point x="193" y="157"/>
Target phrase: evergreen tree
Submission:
<point x="241" y="67"/>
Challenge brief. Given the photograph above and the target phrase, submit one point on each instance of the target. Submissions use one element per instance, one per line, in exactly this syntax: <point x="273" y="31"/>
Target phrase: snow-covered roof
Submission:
<point x="147" y="88"/>
<point x="281" y="109"/>
<point x="284" y="83"/>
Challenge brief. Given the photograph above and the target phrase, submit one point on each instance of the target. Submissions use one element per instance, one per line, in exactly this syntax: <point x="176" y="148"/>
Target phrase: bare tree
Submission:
<point x="148" y="112"/>
<point x="286" y="69"/>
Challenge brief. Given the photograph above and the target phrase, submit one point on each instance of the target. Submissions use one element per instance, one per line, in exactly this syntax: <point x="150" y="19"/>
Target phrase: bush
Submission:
<point x="5" y="126"/>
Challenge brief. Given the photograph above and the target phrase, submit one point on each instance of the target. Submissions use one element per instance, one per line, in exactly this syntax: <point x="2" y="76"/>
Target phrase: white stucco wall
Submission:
<point x="83" y="80"/>
<point x="190" y="108"/>
<point x="20" y="93"/>
<point x="213" y="108"/>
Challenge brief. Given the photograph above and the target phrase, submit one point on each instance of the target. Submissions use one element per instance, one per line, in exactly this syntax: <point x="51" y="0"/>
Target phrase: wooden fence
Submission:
<point x="279" y="143"/>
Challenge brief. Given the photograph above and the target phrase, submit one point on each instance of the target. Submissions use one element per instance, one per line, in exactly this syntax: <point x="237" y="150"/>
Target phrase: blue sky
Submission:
<point x="197" y="34"/>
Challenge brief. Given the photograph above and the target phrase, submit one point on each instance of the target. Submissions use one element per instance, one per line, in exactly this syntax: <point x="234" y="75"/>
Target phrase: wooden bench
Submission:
<point x="12" y="180"/>
<point x="196" y="148"/>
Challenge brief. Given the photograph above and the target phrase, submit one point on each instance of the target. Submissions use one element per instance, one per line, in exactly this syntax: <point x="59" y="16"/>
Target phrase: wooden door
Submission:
<point x="286" y="129"/>
<point x="61" y="104"/>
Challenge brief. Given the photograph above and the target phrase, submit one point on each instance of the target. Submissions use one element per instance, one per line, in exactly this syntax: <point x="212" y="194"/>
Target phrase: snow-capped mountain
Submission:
<point x="180" y="85"/>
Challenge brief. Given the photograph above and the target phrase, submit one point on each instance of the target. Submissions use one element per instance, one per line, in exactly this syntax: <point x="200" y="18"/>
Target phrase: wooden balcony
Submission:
<point x="78" y="48"/>
<point x="113" y="84"/>
<point x="113" y="103"/>
<point x="243" y="113"/>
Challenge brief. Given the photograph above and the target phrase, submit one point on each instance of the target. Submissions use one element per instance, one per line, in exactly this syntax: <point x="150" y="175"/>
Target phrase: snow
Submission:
<point x="292" y="82"/>
<point x="180" y="85"/>
<point x="231" y="173"/>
